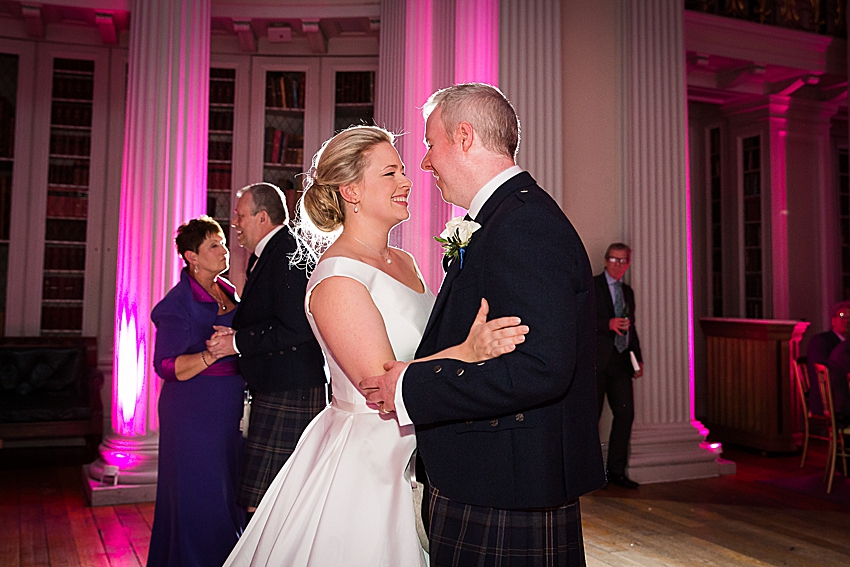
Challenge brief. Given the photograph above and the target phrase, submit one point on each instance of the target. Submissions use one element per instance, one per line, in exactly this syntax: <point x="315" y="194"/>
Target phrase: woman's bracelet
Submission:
<point x="204" y="358"/>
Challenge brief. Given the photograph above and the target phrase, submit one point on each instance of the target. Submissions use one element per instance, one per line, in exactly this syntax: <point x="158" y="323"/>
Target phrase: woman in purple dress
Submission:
<point x="196" y="519"/>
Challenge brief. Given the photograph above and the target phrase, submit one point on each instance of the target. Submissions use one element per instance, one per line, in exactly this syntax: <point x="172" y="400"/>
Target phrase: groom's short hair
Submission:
<point x="485" y="107"/>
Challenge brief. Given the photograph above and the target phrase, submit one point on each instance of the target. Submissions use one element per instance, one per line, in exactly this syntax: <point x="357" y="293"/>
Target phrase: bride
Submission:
<point x="367" y="304"/>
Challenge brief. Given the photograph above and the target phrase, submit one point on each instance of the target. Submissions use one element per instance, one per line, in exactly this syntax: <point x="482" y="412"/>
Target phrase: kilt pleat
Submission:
<point x="276" y="423"/>
<point x="463" y="535"/>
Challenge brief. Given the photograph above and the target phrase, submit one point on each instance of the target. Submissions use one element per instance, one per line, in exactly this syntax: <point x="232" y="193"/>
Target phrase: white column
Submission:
<point x="163" y="185"/>
<point x="666" y="443"/>
<point x="416" y="58"/>
<point x="530" y="75"/>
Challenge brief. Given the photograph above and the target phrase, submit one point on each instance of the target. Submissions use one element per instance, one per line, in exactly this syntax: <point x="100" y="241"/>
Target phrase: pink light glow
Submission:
<point x="476" y="48"/>
<point x="130" y="364"/>
<point x="124" y="461"/>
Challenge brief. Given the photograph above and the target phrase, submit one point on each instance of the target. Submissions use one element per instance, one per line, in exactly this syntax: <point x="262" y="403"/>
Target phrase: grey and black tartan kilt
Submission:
<point x="462" y="534"/>
<point x="276" y="423"/>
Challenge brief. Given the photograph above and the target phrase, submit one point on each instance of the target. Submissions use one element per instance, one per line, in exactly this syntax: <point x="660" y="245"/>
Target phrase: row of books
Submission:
<point x="65" y="230"/>
<point x="67" y="207"/>
<point x="64" y="258"/>
<point x="219" y="177"/>
<point x="221" y="121"/>
<point x="70" y="145"/>
<point x="220" y="150"/>
<point x="221" y="92"/>
<point x="283" y="147"/>
<point x="355" y="87"/>
<point x="285" y="90"/>
<point x="76" y="174"/>
<point x="75" y="88"/>
<point x="61" y="318"/>
<point x="71" y="114"/>
<point x="62" y="287"/>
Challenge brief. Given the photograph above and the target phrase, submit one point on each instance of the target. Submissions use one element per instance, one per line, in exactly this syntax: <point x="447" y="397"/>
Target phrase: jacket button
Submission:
<point x="438" y="369"/>
<point x="468" y="421"/>
<point x="281" y="352"/>
<point x="520" y="417"/>
<point x="294" y="348"/>
<point x="460" y="371"/>
<point x="494" y="423"/>
<point x="252" y="333"/>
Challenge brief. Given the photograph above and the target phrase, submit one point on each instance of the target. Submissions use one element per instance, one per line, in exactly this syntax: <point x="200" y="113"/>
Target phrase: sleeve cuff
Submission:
<point x="401" y="411"/>
<point x="235" y="348"/>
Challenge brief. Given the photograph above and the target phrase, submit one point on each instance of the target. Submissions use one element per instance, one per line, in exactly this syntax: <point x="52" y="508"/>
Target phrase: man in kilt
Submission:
<point x="279" y="357"/>
<point x="508" y="444"/>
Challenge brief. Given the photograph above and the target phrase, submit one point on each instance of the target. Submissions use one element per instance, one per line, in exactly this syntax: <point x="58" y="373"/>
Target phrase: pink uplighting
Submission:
<point x="123" y="461"/>
<point x="130" y="369"/>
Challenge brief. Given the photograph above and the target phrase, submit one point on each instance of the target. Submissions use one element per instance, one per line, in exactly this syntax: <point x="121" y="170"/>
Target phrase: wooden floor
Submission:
<point x="732" y="520"/>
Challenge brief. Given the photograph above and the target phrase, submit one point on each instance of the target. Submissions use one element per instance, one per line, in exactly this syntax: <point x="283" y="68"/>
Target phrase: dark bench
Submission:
<point x="50" y="388"/>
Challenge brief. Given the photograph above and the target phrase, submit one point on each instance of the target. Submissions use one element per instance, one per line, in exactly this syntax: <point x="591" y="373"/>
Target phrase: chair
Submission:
<point x="810" y="420"/>
<point x="837" y="435"/>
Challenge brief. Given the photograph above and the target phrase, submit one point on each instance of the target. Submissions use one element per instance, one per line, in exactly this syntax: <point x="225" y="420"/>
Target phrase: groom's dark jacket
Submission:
<point x="518" y="431"/>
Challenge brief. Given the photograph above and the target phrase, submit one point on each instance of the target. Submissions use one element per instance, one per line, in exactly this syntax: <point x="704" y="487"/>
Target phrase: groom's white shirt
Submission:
<point x="474" y="209"/>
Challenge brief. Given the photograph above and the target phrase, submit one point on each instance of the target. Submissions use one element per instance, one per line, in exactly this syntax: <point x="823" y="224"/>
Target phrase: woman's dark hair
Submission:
<point x="192" y="234"/>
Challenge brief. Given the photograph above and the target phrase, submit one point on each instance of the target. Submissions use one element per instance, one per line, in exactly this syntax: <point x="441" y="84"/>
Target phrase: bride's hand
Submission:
<point x="489" y="339"/>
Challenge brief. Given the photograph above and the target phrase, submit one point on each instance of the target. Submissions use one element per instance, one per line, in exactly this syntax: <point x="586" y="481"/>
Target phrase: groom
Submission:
<point x="511" y="443"/>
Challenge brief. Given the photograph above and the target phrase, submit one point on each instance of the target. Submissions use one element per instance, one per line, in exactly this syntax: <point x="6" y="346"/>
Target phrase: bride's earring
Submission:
<point x="355" y="208"/>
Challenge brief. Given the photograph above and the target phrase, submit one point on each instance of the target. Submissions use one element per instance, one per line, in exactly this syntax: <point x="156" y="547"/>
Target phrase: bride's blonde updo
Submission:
<point x="341" y="160"/>
<point x="321" y="209"/>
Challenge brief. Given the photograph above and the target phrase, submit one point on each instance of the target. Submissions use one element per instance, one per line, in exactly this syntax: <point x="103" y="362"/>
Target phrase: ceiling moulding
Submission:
<point x="247" y="37"/>
<point x="106" y="25"/>
<point x="33" y="22"/>
<point x="739" y="39"/>
<point x="281" y="12"/>
<point x="315" y="35"/>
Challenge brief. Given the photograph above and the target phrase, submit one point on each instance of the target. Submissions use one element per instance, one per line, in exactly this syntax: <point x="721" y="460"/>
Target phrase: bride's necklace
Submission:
<point x="387" y="257"/>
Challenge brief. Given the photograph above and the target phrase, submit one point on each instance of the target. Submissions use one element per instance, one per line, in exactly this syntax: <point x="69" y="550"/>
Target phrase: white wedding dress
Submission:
<point x="343" y="497"/>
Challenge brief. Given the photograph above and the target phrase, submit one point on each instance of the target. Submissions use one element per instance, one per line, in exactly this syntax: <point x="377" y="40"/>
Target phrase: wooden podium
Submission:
<point x="750" y="389"/>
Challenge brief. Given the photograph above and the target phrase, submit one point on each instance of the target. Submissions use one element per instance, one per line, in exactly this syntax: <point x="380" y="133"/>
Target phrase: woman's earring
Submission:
<point x="355" y="207"/>
<point x="196" y="268"/>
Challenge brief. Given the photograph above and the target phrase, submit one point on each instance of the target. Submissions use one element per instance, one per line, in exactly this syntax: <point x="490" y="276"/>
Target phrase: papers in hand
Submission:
<point x="635" y="363"/>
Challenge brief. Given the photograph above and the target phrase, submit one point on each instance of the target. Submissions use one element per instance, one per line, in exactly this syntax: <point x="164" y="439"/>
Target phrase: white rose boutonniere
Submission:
<point x="455" y="238"/>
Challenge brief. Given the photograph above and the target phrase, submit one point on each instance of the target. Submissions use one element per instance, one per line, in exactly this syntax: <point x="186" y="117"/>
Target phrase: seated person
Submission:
<point x="819" y="349"/>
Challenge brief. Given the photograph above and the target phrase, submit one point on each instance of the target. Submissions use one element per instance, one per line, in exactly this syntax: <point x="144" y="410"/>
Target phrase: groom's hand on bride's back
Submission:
<point x="380" y="390"/>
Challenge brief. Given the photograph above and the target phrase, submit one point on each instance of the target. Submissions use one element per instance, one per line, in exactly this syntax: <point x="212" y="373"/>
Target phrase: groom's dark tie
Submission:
<point x="251" y="261"/>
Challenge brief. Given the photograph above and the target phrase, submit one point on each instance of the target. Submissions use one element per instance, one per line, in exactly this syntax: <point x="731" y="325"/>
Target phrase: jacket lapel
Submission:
<point x="261" y="262"/>
<point x="512" y="185"/>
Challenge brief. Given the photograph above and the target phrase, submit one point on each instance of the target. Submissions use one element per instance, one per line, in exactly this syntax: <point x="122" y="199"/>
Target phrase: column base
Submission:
<point x="99" y="493"/>
<point x="672" y="452"/>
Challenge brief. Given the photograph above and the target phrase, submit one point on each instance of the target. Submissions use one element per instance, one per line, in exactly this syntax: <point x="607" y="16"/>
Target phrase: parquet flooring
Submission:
<point x="732" y="520"/>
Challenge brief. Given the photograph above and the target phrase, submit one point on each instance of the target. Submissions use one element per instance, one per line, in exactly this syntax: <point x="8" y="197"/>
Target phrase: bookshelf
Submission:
<point x="9" y="64"/>
<point x="220" y="151"/>
<point x="354" y="99"/>
<point x="283" y="141"/>
<point x="67" y="197"/>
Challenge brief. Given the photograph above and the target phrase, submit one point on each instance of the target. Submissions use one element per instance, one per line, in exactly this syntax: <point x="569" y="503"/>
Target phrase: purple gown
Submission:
<point x="196" y="519"/>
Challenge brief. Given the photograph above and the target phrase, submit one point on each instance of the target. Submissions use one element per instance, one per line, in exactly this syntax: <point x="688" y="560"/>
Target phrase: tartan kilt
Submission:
<point x="464" y="535"/>
<point x="276" y="423"/>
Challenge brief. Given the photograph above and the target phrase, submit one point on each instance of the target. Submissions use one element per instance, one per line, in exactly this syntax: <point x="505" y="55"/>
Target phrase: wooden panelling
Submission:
<point x="749" y="388"/>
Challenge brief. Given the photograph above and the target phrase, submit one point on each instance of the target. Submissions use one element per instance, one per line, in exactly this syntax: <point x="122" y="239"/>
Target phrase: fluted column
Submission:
<point x="416" y="58"/>
<point x="163" y="185"/>
<point x="530" y="74"/>
<point x="666" y="443"/>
